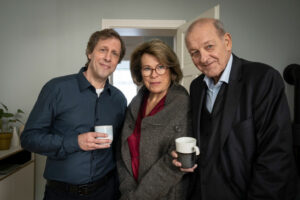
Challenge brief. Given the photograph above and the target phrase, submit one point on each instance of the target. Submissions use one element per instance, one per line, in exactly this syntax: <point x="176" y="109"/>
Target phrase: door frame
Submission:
<point x="144" y="24"/>
<point x="141" y="23"/>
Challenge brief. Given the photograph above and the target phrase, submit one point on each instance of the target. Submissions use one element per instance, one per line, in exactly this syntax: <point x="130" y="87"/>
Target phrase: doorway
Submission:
<point x="170" y="31"/>
<point x="135" y="32"/>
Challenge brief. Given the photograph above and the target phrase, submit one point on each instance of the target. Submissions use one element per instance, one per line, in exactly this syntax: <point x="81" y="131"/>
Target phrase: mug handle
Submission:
<point x="197" y="150"/>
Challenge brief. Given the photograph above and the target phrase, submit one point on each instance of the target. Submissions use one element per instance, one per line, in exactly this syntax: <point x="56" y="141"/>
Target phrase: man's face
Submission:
<point x="104" y="58"/>
<point x="209" y="51"/>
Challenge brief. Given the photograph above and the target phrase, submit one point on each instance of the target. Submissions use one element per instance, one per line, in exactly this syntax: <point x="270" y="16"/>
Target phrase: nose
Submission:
<point x="204" y="57"/>
<point x="153" y="73"/>
<point x="107" y="56"/>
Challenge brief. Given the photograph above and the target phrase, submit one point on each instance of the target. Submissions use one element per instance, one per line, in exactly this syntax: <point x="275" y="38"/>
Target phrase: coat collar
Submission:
<point x="135" y="105"/>
<point x="231" y="99"/>
<point x="201" y="96"/>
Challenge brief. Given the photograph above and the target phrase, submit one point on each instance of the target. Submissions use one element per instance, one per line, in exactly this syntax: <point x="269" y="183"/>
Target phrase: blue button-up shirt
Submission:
<point x="213" y="89"/>
<point x="66" y="107"/>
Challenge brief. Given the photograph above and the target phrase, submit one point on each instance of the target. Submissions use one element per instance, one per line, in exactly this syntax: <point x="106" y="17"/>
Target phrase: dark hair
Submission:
<point x="103" y="35"/>
<point x="162" y="52"/>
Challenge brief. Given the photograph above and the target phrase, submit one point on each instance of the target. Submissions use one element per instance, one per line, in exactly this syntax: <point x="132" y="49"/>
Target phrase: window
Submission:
<point x="123" y="81"/>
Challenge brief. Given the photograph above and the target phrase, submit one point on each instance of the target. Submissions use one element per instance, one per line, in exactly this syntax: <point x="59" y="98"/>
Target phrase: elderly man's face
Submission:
<point x="210" y="52"/>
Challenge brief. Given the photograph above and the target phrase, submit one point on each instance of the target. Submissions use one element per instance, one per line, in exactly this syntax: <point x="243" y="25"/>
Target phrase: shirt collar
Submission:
<point x="84" y="83"/>
<point x="224" y="77"/>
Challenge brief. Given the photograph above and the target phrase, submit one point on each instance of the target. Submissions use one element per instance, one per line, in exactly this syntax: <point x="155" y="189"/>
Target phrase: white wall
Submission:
<point x="41" y="39"/>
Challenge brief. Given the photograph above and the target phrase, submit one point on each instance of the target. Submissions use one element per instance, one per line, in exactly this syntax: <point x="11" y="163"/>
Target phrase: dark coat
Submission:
<point x="256" y="138"/>
<point x="158" y="178"/>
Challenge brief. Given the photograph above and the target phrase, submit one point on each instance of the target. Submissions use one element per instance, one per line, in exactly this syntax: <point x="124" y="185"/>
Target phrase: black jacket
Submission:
<point x="256" y="138"/>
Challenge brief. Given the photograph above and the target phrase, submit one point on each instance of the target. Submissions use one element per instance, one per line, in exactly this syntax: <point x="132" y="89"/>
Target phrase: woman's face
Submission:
<point x="154" y="82"/>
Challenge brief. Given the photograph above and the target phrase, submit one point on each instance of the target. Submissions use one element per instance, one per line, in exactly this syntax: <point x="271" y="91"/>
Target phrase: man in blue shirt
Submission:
<point x="80" y="162"/>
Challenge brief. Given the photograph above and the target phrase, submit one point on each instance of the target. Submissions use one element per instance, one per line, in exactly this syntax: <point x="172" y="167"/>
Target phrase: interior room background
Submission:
<point x="42" y="39"/>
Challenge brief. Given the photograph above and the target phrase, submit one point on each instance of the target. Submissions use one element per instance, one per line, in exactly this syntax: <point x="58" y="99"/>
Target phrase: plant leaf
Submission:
<point x="7" y="115"/>
<point x="20" y="121"/>
<point x="4" y="106"/>
<point x="20" y="111"/>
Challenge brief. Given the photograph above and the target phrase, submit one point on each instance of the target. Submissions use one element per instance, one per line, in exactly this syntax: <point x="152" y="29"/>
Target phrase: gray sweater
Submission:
<point x="158" y="178"/>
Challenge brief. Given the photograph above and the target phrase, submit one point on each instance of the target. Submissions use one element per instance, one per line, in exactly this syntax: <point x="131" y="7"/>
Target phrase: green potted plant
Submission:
<point x="7" y="120"/>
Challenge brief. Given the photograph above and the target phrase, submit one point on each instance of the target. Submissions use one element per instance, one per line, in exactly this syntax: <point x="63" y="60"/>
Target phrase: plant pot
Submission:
<point x="5" y="139"/>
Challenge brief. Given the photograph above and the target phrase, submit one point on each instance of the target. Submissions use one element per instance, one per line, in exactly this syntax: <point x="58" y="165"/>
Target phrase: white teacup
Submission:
<point x="107" y="129"/>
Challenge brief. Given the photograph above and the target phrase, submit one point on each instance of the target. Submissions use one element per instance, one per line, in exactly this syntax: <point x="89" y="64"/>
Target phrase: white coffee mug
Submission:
<point x="187" y="151"/>
<point x="107" y="129"/>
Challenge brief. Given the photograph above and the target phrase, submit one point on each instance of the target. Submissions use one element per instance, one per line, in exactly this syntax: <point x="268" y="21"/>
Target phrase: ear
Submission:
<point x="89" y="56"/>
<point x="228" y="41"/>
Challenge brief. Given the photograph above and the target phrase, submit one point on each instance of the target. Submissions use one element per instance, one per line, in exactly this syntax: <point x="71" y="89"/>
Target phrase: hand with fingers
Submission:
<point x="178" y="164"/>
<point x="93" y="140"/>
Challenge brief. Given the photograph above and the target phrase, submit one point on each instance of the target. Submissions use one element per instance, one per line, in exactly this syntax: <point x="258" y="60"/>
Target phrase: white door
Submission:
<point x="190" y="72"/>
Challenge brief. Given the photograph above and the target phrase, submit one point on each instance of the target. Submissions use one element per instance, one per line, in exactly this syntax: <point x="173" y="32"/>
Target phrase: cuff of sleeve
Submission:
<point x="71" y="143"/>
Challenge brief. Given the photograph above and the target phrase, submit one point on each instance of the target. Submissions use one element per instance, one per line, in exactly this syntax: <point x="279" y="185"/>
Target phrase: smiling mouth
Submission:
<point x="105" y="66"/>
<point x="207" y="64"/>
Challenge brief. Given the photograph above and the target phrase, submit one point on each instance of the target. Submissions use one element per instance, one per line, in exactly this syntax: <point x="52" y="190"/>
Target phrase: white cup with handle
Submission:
<point x="187" y="151"/>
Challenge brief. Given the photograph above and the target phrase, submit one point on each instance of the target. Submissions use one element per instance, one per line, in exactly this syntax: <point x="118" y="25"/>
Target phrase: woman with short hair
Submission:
<point x="156" y="116"/>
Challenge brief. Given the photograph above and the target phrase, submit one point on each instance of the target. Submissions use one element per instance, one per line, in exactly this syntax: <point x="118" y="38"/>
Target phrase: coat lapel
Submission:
<point x="231" y="100"/>
<point x="198" y="100"/>
<point x="129" y="124"/>
<point x="125" y="153"/>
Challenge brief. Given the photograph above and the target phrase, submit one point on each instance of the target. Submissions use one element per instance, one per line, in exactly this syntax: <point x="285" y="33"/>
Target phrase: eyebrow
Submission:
<point x="209" y="41"/>
<point x="159" y="64"/>
<point x="205" y="43"/>
<point x="107" y="47"/>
